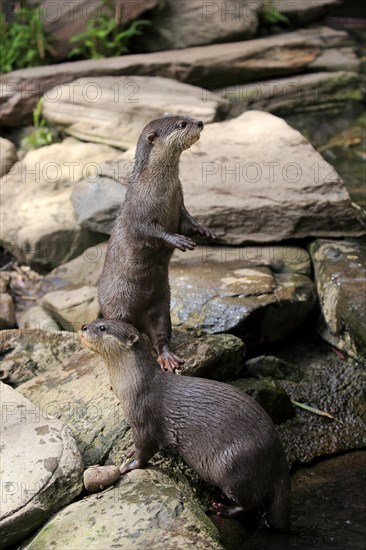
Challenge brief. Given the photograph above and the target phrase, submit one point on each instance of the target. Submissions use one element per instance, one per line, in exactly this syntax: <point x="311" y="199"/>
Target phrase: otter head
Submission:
<point x="109" y="338"/>
<point x="169" y="135"/>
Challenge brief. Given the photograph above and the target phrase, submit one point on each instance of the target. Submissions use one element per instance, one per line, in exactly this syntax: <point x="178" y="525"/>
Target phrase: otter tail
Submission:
<point x="278" y="507"/>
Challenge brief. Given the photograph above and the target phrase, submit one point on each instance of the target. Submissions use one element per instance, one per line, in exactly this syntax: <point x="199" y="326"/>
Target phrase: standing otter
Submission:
<point x="153" y="220"/>
<point x="221" y="433"/>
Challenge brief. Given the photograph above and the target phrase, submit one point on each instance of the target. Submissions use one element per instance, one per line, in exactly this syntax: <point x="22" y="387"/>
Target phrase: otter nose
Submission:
<point x="200" y="124"/>
<point x="84" y="328"/>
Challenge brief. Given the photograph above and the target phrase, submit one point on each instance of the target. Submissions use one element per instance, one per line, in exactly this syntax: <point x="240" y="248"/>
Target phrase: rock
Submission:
<point x="329" y="384"/>
<point x="301" y="13"/>
<point x="96" y="203"/>
<point x="41" y="467"/>
<point x="193" y="23"/>
<point x="279" y="258"/>
<point x="7" y="314"/>
<point x="115" y="109"/>
<point x="267" y="366"/>
<point x="67" y="19"/>
<point x="72" y="306"/>
<point x="317" y="507"/>
<point x="274" y="400"/>
<point x="26" y="353"/>
<point x="238" y="301"/>
<point x="147" y="509"/>
<point x="211" y="66"/>
<point x="85" y="269"/>
<point x="288" y="97"/>
<point x="223" y="290"/>
<point x="340" y="276"/>
<point x="44" y="232"/>
<point x="8" y="155"/>
<point x="219" y="356"/>
<point x="37" y="318"/>
<point x="268" y="198"/>
<point x="97" y="478"/>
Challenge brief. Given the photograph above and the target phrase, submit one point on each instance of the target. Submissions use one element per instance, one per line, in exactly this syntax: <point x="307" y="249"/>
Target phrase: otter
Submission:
<point x="151" y="223"/>
<point x="222" y="434"/>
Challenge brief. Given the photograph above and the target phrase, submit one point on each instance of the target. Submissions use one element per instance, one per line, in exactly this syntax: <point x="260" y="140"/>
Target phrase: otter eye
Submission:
<point x="182" y="124"/>
<point x="102" y="328"/>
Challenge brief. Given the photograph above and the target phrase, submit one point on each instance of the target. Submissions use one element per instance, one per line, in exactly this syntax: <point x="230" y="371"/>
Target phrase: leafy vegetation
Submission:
<point x="270" y="15"/>
<point x="23" y="42"/>
<point x="106" y="37"/>
<point x="41" y="135"/>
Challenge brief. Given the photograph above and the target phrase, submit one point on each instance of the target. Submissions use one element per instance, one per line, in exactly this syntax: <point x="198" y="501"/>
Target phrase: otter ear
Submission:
<point x="151" y="137"/>
<point x="132" y="339"/>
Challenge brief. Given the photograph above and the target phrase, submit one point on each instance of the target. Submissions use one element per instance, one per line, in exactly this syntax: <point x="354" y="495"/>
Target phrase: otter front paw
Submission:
<point x="205" y="232"/>
<point x="182" y="242"/>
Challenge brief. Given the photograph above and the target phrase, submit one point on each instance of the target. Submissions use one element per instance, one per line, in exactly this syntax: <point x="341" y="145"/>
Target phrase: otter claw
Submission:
<point x="206" y="232"/>
<point x="168" y="361"/>
<point x="183" y="243"/>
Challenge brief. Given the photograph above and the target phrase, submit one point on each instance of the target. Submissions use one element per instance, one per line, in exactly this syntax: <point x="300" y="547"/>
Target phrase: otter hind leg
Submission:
<point x="157" y="325"/>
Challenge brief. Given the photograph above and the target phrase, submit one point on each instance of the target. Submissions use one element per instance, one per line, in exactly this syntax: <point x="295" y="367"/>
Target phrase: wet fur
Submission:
<point x="134" y="285"/>
<point x="221" y="433"/>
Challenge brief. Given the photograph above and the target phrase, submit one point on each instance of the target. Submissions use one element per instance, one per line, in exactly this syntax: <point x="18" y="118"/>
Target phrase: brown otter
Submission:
<point x="221" y="433"/>
<point x="153" y="220"/>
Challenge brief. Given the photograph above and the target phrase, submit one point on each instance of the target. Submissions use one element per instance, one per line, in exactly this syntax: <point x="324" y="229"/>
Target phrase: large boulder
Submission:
<point x="194" y="23"/>
<point x="256" y="179"/>
<point x="114" y="109"/>
<point x="258" y="306"/>
<point x="41" y="467"/>
<point x="146" y="509"/>
<point x="211" y="66"/>
<point x="72" y="306"/>
<point x="44" y="232"/>
<point x="340" y="276"/>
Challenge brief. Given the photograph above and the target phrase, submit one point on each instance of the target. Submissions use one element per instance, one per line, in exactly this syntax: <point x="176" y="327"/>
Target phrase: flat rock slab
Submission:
<point x="44" y="232"/>
<point x="28" y="352"/>
<point x="252" y="303"/>
<point x="307" y="93"/>
<point x="146" y="509"/>
<point x="340" y="276"/>
<point x="256" y="179"/>
<point x="114" y="110"/>
<point x="41" y="467"/>
<point x="211" y="66"/>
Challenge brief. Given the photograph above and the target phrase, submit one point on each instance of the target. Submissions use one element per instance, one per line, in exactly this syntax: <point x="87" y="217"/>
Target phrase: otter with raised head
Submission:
<point x="221" y="433"/>
<point x="134" y="284"/>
